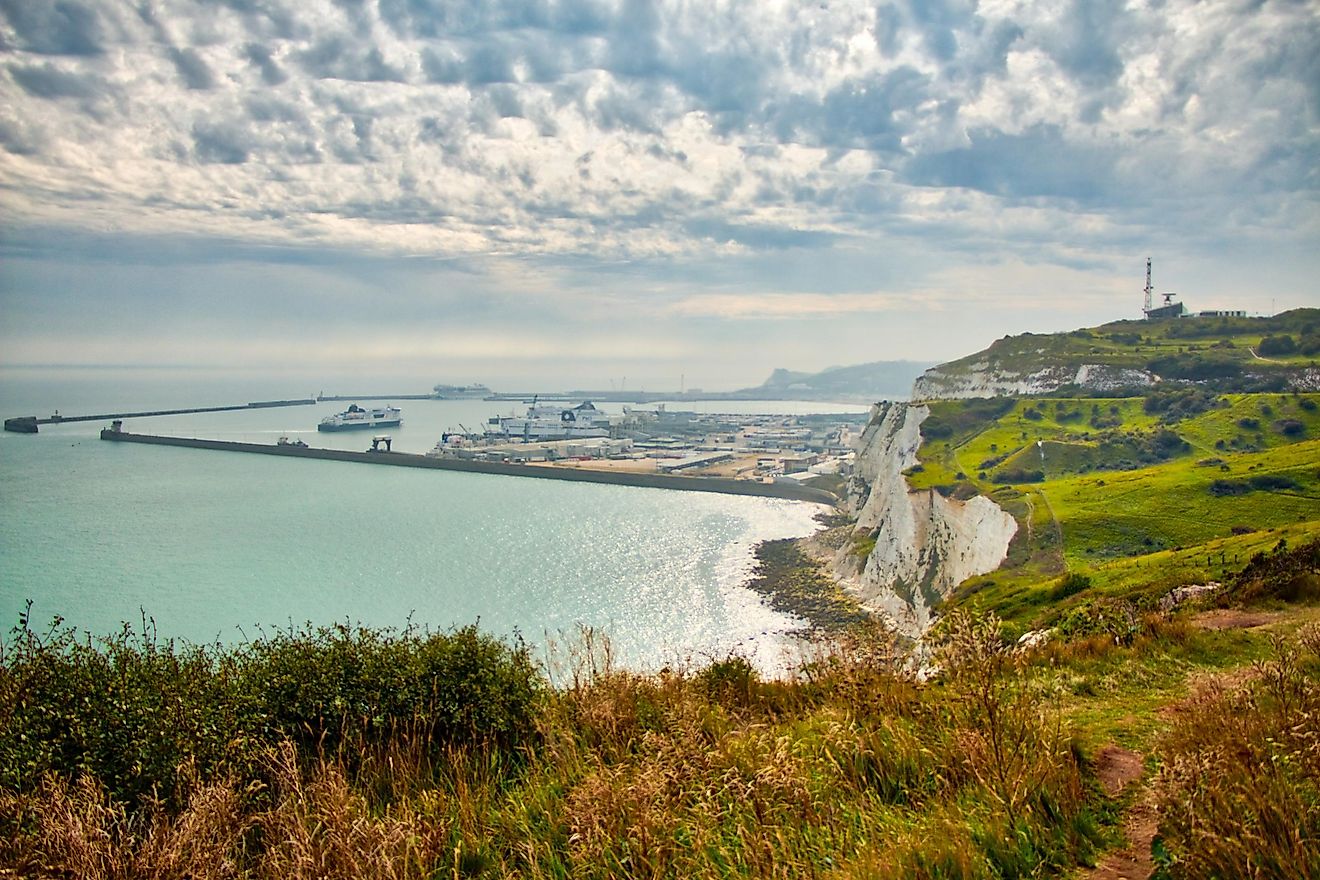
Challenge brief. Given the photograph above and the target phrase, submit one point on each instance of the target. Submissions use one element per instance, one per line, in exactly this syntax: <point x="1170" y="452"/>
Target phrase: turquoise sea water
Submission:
<point x="216" y="545"/>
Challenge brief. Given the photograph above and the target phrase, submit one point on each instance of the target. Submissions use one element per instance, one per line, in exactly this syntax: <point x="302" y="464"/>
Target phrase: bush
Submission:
<point x="935" y="429"/>
<point x="1194" y="366"/>
<point x="1070" y="584"/>
<point x="134" y="712"/>
<point x="1166" y="443"/>
<point x="1257" y="483"/>
<point x="1281" y="574"/>
<point x="1289" y="427"/>
<point x="1276" y="345"/>
<point x="1271" y="482"/>
<point x="1179" y="403"/>
<point x="1019" y="475"/>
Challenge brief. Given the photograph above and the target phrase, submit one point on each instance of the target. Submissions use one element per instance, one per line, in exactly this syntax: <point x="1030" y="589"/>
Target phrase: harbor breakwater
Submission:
<point x="28" y="424"/>
<point x="790" y="491"/>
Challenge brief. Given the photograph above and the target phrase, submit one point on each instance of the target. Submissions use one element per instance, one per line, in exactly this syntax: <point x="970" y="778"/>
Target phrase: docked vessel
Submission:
<point x="552" y="422"/>
<point x="457" y="392"/>
<point x="356" y="417"/>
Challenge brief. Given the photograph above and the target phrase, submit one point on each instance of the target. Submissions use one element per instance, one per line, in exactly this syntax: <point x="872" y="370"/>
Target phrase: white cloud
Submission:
<point x="755" y="159"/>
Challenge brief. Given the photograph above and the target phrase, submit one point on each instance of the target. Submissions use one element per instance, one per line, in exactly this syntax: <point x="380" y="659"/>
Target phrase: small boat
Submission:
<point x="356" y="417"/>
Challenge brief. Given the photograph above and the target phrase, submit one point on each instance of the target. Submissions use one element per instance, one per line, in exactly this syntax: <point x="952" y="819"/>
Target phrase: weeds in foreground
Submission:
<point x="852" y="768"/>
<point x="1240" y="781"/>
<point x="1015" y="746"/>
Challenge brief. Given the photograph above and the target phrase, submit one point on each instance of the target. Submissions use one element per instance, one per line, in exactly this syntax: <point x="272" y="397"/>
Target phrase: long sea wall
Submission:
<point x="754" y="488"/>
<point x="925" y="544"/>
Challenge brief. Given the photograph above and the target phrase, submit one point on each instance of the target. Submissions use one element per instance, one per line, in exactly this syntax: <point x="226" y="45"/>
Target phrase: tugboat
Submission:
<point x="356" y="417"/>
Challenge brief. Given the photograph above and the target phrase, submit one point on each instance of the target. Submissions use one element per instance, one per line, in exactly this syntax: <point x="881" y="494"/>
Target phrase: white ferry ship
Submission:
<point x="356" y="417"/>
<point x="459" y="392"/>
<point x="552" y="422"/>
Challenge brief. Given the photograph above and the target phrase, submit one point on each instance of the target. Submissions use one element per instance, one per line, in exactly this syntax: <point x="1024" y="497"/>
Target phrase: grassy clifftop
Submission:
<point x="1258" y="354"/>
<point x="1133" y="495"/>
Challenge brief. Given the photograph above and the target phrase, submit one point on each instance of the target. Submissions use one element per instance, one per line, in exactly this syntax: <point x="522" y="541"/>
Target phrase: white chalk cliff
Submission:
<point x="925" y="544"/>
<point x="986" y="379"/>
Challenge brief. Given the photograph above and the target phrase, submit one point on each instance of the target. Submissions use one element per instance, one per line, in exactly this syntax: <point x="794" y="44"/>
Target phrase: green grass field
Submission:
<point x="1138" y="494"/>
<point x="1187" y="348"/>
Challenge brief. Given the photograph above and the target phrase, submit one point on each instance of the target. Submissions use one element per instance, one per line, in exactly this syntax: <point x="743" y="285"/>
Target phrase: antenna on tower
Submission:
<point x="1150" y="291"/>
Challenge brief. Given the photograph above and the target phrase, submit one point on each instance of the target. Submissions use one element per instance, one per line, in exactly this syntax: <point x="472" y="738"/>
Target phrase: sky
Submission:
<point x="637" y="193"/>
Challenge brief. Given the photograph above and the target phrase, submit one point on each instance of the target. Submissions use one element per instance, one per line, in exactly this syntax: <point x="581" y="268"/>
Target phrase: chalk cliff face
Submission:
<point x="984" y="379"/>
<point x="925" y="544"/>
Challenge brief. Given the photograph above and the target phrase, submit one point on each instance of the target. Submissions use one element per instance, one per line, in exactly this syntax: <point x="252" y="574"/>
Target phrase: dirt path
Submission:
<point x="1234" y="618"/>
<point x="1117" y="768"/>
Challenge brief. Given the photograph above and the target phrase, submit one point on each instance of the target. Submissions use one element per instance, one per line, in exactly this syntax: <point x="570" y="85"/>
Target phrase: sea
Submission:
<point x="214" y="547"/>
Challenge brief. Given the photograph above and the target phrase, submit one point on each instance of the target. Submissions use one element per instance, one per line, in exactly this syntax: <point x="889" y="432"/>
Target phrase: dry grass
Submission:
<point x="74" y="829"/>
<point x="1240" y="780"/>
<point x="854" y="769"/>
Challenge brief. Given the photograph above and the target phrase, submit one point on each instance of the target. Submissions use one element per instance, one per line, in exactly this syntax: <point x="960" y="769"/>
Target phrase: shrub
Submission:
<point x="1240" y="776"/>
<point x="1117" y="619"/>
<point x="1194" y="366"/>
<point x="132" y="711"/>
<point x="1019" y="475"/>
<point x="1289" y="427"/>
<point x="1281" y="574"/>
<point x="1256" y="483"/>
<point x="1179" y="403"/>
<point x="1270" y="482"/>
<point x="1166" y="443"/>
<point x="935" y="429"/>
<point x="1070" y="584"/>
<point x="1276" y="345"/>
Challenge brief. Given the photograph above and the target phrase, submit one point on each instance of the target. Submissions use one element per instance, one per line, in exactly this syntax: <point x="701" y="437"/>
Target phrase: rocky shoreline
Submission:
<point x="792" y="582"/>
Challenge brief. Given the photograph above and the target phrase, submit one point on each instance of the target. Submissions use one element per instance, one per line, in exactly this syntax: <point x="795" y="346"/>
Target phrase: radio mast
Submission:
<point x="1150" y="291"/>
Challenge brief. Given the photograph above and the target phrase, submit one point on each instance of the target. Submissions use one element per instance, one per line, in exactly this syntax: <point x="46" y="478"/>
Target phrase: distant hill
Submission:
<point x="879" y="380"/>
<point x="1227" y="354"/>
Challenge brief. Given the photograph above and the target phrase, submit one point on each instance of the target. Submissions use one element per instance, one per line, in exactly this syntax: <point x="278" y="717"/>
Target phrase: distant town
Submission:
<point x="812" y="449"/>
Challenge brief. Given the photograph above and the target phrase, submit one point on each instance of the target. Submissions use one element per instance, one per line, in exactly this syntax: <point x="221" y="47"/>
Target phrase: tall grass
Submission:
<point x="133" y="711"/>
<point x="360" y="754"/>
<point x="1239" y="786"/>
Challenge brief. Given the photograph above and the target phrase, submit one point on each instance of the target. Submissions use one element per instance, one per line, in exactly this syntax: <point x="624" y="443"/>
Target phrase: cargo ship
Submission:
<point x="356" y="417"/>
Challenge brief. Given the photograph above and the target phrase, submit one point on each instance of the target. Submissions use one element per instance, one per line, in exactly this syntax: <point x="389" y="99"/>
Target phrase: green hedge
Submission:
<point x="137" y="713"/>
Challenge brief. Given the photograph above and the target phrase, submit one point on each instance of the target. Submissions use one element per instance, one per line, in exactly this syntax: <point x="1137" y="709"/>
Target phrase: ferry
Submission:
<point x="460" y="392"/>
<point x="552" y="422"/>
<point x="356" y="417"/>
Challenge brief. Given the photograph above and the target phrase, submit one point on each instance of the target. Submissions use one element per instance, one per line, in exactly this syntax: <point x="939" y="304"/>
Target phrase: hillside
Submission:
<point x="879" y="380"/>
<point x="1234" y="354"/>
<point x="1105" y="445"/>
<point x="1137" y="491"/>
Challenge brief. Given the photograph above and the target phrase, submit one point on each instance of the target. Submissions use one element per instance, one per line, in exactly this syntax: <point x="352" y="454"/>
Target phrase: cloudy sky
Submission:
<point x="578" y="191"/>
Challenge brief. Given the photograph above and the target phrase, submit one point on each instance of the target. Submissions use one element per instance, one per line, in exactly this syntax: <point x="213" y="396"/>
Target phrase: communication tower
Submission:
<point x="1169" y="309"/>
<point x="1150" y="291"/>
